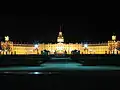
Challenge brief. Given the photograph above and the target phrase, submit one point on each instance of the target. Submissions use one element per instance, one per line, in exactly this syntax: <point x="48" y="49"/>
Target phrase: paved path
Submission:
<point x="61" y="66"/>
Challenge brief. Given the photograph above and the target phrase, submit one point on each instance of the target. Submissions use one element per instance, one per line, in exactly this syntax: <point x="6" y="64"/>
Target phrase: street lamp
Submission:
<point x="36" y="47"/>
<point x="86" y="47"/>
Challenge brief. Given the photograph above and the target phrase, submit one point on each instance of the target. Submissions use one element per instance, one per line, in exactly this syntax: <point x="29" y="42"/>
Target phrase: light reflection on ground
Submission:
<point x="61" y="66"/>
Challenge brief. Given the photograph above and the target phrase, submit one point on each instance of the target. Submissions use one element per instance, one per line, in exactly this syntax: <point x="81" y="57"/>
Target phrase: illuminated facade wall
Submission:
<point x="100" y="48"/>
<point x="23" y="49"/>
<point x="97" y="49"/>
<point x="29" y="49"/>
<point x="91" y="49"/>
<point x="52" y="47"/>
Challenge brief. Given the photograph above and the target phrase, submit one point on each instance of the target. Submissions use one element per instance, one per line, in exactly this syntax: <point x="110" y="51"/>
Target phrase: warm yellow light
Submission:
<point x="85" y="45"/>
<point x="60" y="37"/>
<point x="71" y="49"/>
<point x="60" y="33"/>
<point x="113" y="37"/>
<point x="36" y="45"/>
<point x="90" y="50"/>
<point x="60" y="40"/>
<point x="59" y="48"/>
<point x="6" y="38"/>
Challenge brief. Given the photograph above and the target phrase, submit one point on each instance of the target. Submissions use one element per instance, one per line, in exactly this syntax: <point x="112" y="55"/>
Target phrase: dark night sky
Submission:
<point x="45" y="27"/>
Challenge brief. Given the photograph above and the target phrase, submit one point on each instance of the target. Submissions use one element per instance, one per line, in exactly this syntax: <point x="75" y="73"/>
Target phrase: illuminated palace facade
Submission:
<point x="111" y="47"/>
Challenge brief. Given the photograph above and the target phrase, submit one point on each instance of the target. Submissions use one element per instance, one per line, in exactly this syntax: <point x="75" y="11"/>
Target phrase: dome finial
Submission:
<point x="61" y="26"/>
<point x="113" y="33"/>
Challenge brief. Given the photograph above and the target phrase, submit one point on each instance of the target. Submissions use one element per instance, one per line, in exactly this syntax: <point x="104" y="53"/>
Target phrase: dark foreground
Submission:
<point x="52" y="63"/>
<point x="68" y="72"/>
<point x="37" y="60"/>
<point x="66" y="80"/>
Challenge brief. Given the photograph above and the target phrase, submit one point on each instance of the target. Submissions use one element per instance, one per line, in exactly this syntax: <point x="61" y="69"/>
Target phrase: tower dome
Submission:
<point x="60" y="38"/>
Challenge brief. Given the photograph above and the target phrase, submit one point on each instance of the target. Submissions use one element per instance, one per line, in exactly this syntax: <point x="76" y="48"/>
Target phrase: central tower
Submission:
<point x="60" y="45"/>
<point x="60" y="38"/>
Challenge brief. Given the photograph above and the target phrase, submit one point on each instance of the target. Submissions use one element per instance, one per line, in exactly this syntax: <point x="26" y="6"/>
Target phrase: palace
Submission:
<point x="111" y="47"/>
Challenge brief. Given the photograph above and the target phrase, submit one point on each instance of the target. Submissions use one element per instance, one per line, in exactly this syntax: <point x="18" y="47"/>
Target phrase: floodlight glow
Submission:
<point x="5" y="50"/>
<point x="36" y="72"/>
<point x="60" y="40"/>
<point x="59" y="48"/>
<point x="113" y="37"/>
<point x="90" y="50"/>
<point x="36" y="45"/>
<point x="6" y="38"/>
<point x="85" y="45"/>
<point x="70" y="49"/>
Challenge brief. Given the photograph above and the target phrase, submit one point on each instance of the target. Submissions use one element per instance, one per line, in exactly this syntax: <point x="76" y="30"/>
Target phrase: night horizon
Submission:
<point x="45" y="28"/>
